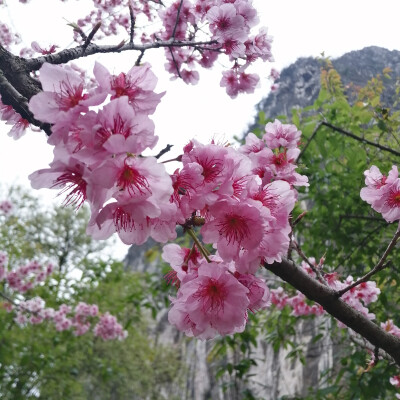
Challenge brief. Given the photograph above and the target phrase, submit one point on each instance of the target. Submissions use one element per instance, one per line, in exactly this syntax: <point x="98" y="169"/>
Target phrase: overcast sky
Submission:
<point x="300" y="29"/>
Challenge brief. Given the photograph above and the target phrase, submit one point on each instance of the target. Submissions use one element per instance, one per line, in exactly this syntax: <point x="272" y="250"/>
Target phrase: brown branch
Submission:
<point x="11" y="301"/>
<point x="327" y="298"/>
<point x="175" y="62"/>
<point x="304" y="257"/>
<point x="177" y="20"/>
<point x="299" y="218"/>
<point x="345" y="133"/>
<point x="311" y="138"/>
<point x="10" y="96"/>
<point x="166" y="149"/>
<point x="63" y="56"/>
<point x="366" y="217"/>
<point x="90" y="36"/>
<point x="362" y="242"/>
<point x="378" y="267"/>
<point x="139" y="59"/>
<point x="132" y="16"/>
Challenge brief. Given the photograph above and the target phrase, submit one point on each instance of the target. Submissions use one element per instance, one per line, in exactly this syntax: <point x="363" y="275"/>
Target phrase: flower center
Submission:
<point x="122" y="86"/>
<point x="118" y="127"/>
<point x="130" y="179"/>
<point x="69" y="96"/>
<point x="280" y="159"/>
<point x="234" y="228"/>
<point x="75" y="184"/>
<point x="213" y="295"/>
<point x="211" y="168"/>
<point x="394" y="199"/>
<point x="123" y="220"/>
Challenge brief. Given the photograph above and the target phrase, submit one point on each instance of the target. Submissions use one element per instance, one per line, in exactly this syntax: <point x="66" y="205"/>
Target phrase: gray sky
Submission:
<point x="299" y="28"/>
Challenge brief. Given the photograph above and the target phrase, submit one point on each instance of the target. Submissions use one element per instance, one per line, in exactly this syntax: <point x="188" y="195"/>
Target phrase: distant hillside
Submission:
<point x="299" y="83"/>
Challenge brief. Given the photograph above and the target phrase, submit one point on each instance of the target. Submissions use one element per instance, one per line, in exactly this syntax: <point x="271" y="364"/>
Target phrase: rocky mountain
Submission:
<point x="275" y="376"/>
<point x="299" y="83"/>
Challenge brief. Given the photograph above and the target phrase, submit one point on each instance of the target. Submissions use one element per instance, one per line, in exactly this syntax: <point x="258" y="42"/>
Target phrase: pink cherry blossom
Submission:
<point x="281" y="135"/>
<point x="383" y="193"/>
<point x="234" y="226"/>
<point x="137" y="85"/>
<point x="108" y="328"/>
<point x="63" y="96"/>
<point x="214" y="302"/>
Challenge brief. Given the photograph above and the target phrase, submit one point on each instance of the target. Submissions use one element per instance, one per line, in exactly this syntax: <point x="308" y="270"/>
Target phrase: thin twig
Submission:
<point x="360" y="139"/>
<point x="198" y="244"/>
<point x="299" y="218"/>
<point x="132" y="16"/>
<point x="166" y="149"/>
<point x="8" y="299"/>
<point x="139" y="59"/>
<point x="378" y="267"/>
<point x="345" y="133"/>
<point x="177" y="20"/>
<point x="304" y="257"/>
<point x="362" y="242"/>
<point x="366" y="217"/>
<point x="78" y="30"/>
<point x="309" y="141"/>
<point x="90" y="36"/>
<point x="175" y="62"/>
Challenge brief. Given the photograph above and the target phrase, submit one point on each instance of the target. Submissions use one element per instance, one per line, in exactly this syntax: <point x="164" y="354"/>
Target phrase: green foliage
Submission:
<point x="341" y="226"/>
<point x="36" y="361"/>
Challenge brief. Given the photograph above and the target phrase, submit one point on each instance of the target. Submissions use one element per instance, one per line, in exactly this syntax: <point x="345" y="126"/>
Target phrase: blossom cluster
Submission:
<point x="359" y="297"/>
<point x="25" y="277"/>
<point x="383" y="192"/>
<point x="229" y="25"/>
<point x="215" y="27"/>
<point x="34" y="311"/>
<point x="242" y="200"/>
<point x="78" y="319"/>
<point x="213" y="298"/>
<point x="6" y="207"/>
<point x="242" y="196"/>
<point x="19" y="124"/>
<point x="7" y="37"/>
<point x="395" y="381"/>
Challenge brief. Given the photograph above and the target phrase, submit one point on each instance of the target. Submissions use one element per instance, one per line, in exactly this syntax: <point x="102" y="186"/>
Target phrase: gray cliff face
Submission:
<point x="299" y="83"/>
<point x="275" y="375"/>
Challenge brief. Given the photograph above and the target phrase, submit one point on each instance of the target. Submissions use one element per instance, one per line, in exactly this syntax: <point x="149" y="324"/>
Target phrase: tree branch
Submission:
<point x="132" y="17"/>
<point x="10" y="96"/>
<point x="327" y="298"/>
<point x="177" y="20"/>
<point x="381" y="265"/>
<point x="66" y="55"/>
<point x="345" y="133"/>
<point x="166" y="149"/>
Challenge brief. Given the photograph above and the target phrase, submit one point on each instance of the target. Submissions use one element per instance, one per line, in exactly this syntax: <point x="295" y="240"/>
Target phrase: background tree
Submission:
<point x="36" y="360"/>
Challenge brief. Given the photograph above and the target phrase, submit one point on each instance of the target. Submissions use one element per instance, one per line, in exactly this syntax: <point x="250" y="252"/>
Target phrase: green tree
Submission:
<point x="345" y="131"/>
<point x="36" y="361"/>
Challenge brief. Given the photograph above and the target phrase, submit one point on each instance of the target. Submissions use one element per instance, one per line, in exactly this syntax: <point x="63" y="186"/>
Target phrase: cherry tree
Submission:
<point x="240" y="199"/>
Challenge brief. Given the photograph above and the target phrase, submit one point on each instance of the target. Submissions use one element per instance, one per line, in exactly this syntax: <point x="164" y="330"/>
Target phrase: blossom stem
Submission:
<point x="304" y="257"/>
<point x="202" y="249"/>
<point x="381" y="265"/>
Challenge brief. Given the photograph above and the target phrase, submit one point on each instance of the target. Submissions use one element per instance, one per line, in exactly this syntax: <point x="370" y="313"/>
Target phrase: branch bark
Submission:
<point x="335" y="306"/>
<point x="67" y="55"/>
<point x="344" y="133"/>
